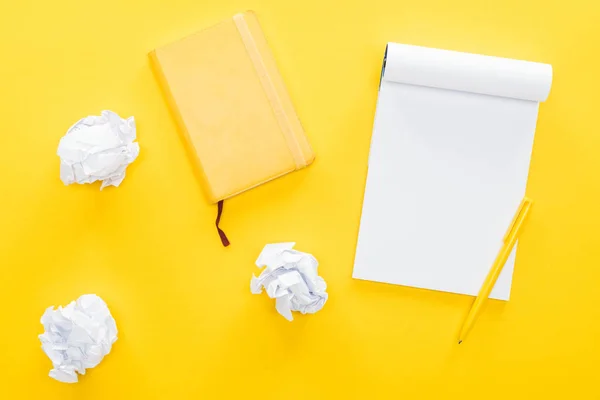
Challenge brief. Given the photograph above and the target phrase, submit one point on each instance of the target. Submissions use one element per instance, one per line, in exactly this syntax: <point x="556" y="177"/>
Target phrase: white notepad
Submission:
<point x="448" y="167"/>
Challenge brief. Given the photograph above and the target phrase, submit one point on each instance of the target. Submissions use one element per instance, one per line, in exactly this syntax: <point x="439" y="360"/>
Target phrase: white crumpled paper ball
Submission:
<point x="291" y="278"/>
<point x="98" y="148"/>
<point x="77" y="336"/>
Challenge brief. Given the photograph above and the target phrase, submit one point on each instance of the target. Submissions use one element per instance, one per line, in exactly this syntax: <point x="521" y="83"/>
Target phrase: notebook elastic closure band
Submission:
<point x="269" y="88"/>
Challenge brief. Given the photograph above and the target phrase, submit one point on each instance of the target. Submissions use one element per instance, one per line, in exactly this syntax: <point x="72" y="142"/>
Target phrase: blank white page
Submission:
<point x="448" y="167"/>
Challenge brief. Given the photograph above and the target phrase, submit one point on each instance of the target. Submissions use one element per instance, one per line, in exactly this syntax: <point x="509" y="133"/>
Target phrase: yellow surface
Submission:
<point x="189" y="327"/>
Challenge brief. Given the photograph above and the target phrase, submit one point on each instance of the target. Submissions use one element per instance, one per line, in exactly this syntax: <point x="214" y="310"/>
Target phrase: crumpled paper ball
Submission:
<point x="98" y="148"/>
<point x="291" y="278"/>
<point x="77" y="336"/>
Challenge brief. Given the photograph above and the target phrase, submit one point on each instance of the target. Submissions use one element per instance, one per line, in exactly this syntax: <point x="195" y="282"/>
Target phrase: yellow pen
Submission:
<point x="508" y="243"/>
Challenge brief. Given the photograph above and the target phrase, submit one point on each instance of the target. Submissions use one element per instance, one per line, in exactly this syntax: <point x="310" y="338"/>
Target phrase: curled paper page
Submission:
<point x="291" y="278"/>
<point x="465" y="72"/>
<point x="98" y="148"/>
<point x="77" y="336"/>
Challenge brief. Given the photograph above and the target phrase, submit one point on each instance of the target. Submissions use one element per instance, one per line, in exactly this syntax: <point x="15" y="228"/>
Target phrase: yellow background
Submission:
<point x="189" y="327"/>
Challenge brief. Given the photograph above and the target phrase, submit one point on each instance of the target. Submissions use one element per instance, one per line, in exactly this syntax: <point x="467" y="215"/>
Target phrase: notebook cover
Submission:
<point x="231" y="106"/>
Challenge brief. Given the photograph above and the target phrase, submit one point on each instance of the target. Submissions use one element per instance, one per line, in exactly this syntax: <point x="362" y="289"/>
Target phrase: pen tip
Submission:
<point x="460" y="341"/>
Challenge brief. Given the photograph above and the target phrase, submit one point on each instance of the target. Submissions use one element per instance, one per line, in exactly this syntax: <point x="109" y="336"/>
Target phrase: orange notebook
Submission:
<point x="231" y="105"/>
